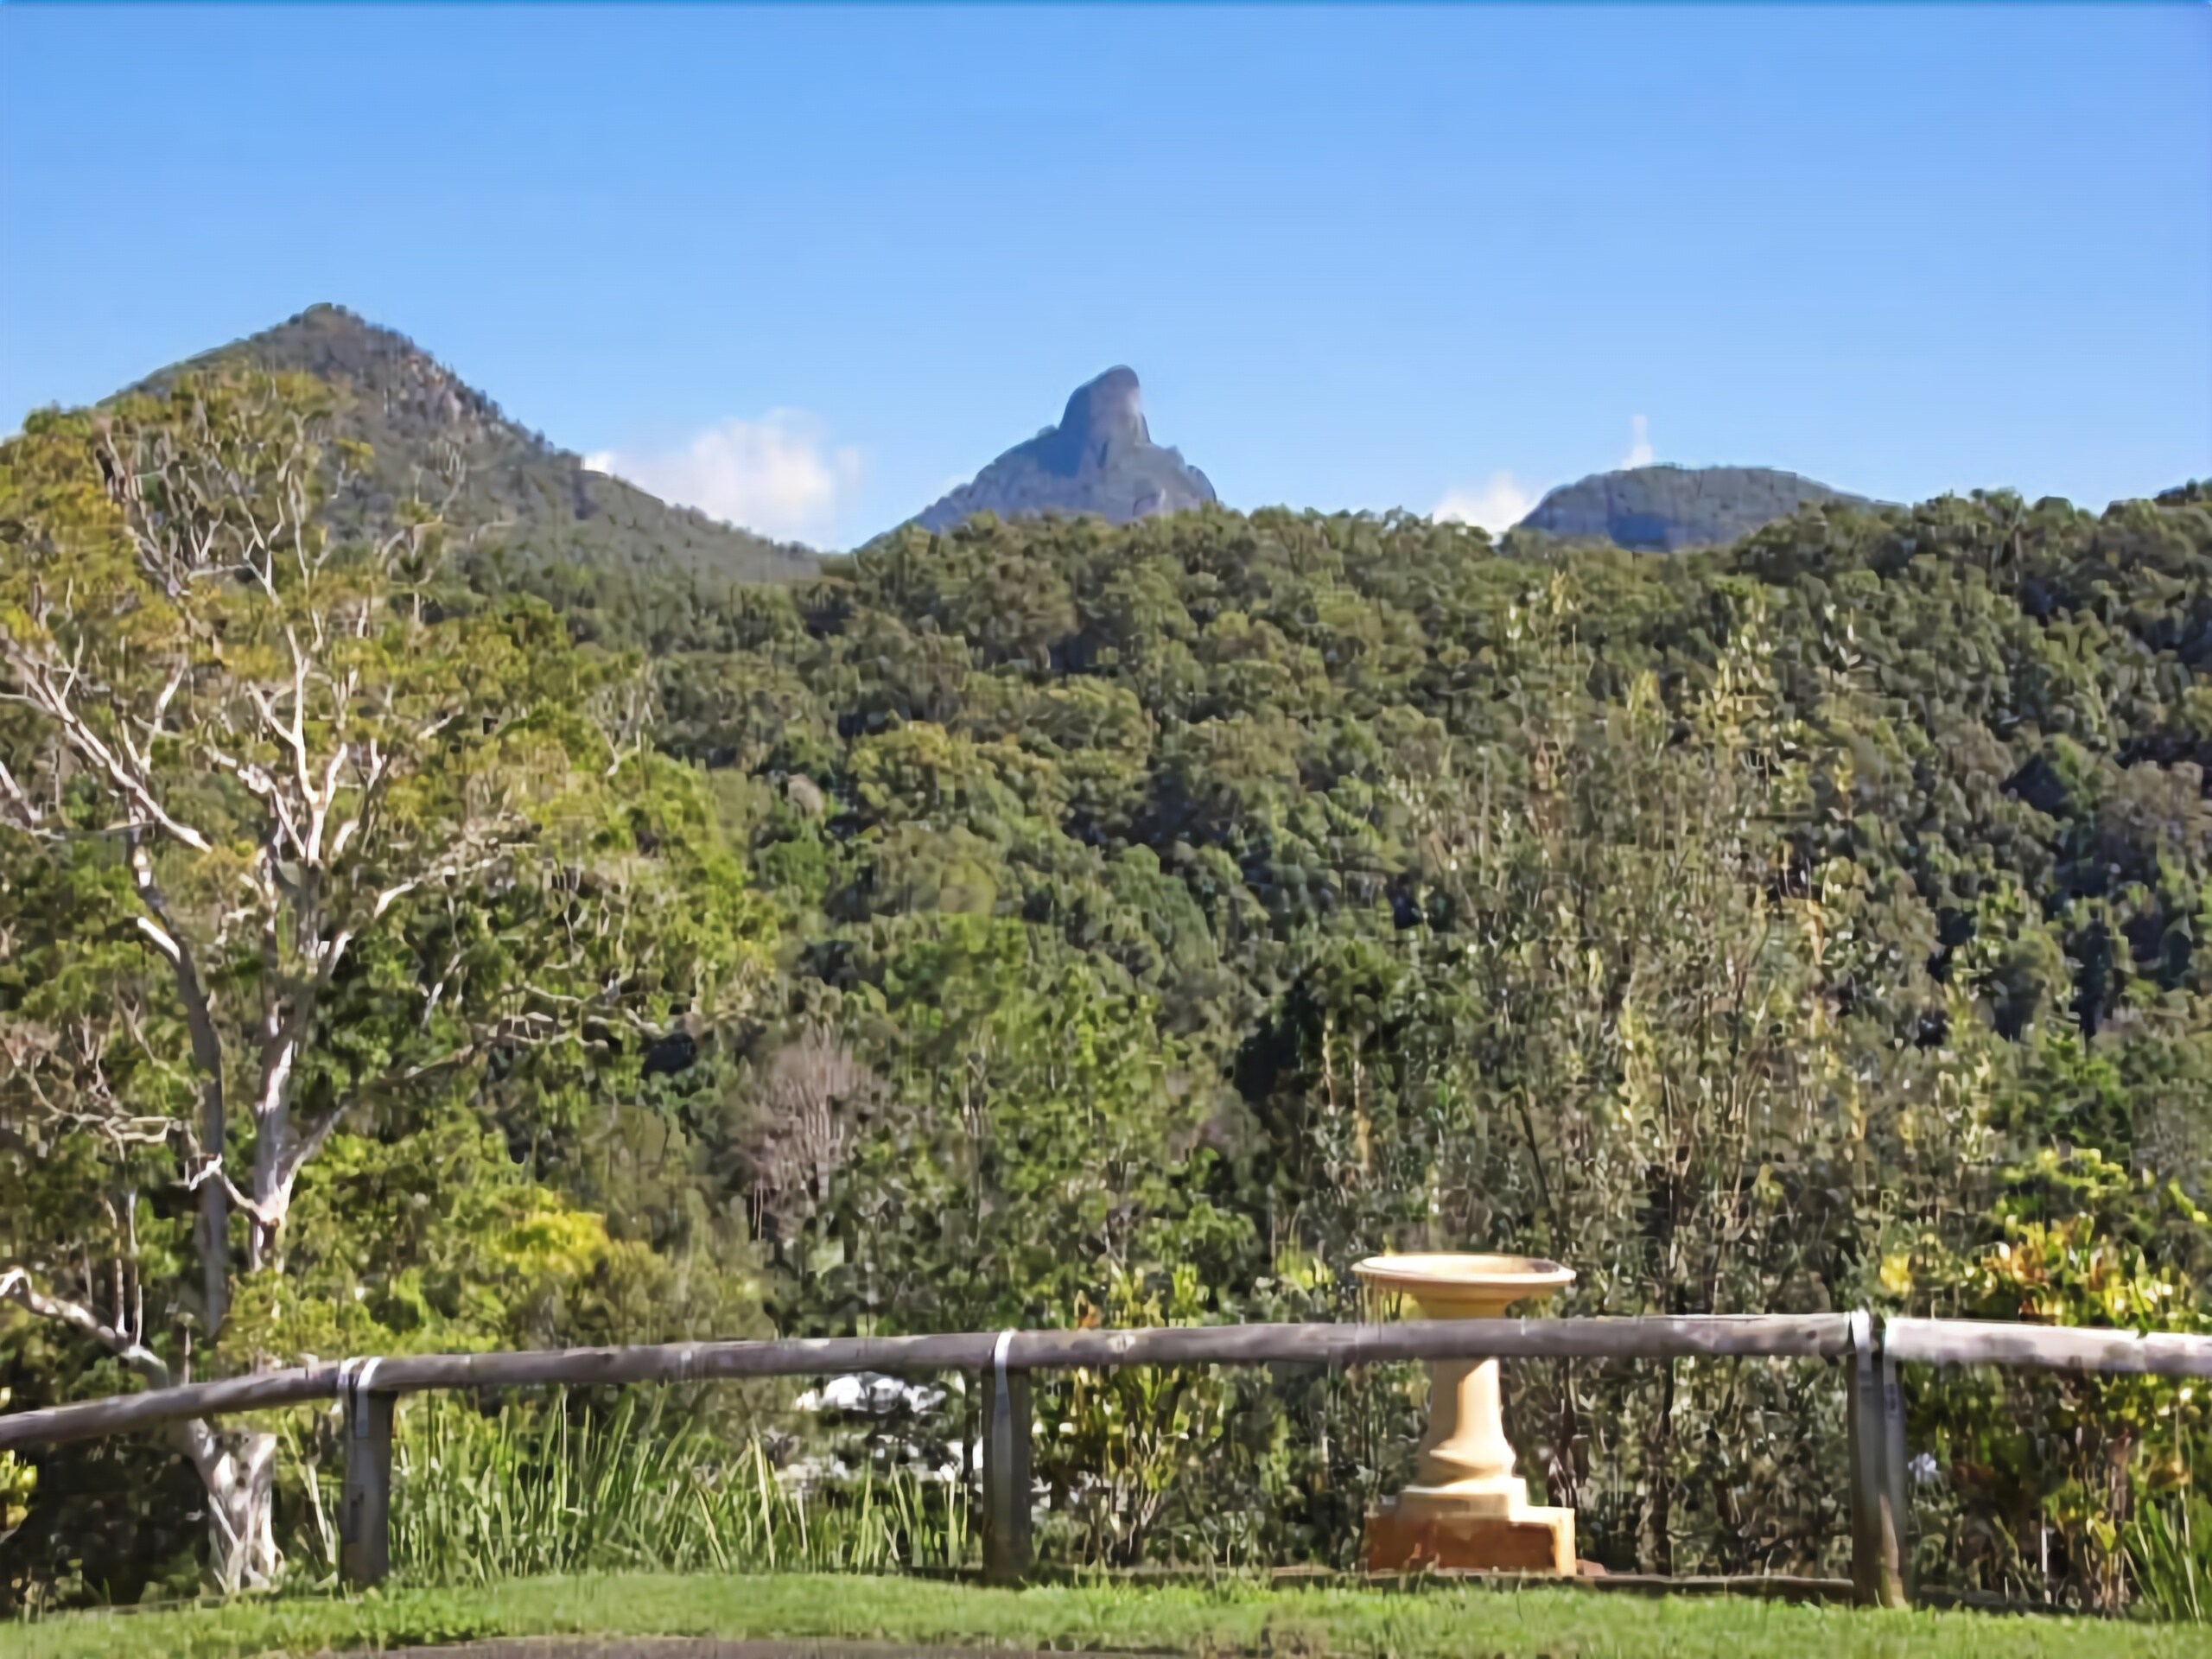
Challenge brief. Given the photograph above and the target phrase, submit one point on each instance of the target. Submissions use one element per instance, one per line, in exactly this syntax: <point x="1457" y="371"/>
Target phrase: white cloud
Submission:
<point x="1639" y="448"/>
<point x="1496" y="507"/>
<point x="777" y="476"/>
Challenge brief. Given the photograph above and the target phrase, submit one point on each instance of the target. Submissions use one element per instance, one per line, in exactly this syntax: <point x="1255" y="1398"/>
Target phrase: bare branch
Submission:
<point x="15" y="1286"/>
<point x="50" y="688"/>
<point x="205" y="1169"/>
<point x="20" y="809"/>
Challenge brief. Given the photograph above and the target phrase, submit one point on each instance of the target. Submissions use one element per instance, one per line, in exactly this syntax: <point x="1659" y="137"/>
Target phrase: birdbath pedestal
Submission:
<point x="1466" y="1507"/>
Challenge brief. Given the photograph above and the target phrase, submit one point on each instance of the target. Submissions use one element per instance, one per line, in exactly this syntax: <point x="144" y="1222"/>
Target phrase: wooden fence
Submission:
<point x="1871" y="1350"/>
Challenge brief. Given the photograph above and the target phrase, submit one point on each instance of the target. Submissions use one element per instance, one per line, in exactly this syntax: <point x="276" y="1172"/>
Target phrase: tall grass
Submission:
<point x="2169" y="1547"/>
<point x="543" y="1488"/>
<point x="533" y="1490"/>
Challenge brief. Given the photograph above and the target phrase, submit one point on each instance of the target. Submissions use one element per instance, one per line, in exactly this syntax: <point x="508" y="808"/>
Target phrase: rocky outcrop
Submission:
<point x="1100" y="459"/>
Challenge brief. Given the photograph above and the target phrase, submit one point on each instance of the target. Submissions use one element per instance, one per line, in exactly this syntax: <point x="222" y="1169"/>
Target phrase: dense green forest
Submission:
<point x="1050" y="923"/>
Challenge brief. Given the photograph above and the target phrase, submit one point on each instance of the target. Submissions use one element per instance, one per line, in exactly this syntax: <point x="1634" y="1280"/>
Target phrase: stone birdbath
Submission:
<point x="1466" y="1507"/>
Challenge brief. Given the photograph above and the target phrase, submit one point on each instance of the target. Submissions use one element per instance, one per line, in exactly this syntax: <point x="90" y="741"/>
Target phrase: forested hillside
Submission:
<point x="1665" y="509"/>
<point x="1048" y="922"/>
<point x="508" y="497"/>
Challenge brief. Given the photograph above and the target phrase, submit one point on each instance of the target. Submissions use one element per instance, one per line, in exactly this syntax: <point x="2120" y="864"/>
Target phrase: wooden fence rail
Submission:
<point x="1872" y="1351"/>
<point x="2047" y="1347"/>
<point x="1823" y="1336"/>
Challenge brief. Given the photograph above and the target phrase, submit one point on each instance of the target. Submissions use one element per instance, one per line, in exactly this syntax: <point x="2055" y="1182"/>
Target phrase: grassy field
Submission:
<point x="1236" y="1619"/>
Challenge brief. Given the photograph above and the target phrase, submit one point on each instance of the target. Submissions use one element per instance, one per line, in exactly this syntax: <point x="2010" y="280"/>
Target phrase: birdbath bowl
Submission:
<point x="1466" y="1507"/>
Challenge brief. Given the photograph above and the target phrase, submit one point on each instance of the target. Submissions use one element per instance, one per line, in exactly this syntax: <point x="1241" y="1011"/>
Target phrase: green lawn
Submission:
<point x="1457" y="1623"/>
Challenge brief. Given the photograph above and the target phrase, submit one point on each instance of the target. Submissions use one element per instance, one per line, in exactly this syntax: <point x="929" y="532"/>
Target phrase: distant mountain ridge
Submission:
<point x="1668" y="508"/>
<point x="520" y="497"/>
<point x="1100" y="459"/>
<point x="537" y="508"/>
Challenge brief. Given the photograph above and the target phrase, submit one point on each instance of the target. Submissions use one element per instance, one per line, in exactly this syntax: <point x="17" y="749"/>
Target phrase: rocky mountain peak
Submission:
<point x="1104" y="418"/>
<point x="1100" y="459"/>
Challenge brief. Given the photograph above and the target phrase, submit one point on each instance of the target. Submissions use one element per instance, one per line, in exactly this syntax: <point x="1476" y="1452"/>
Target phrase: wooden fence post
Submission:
<point x="365" y="1504"/>
<point x="1006" y="1471"/>
<point x="1895" y="1490"/>
<point x="1877" y="1455"/>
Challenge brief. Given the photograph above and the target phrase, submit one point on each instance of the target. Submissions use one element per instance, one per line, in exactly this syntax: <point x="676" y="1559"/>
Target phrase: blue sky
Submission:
<point x="807" y="268"/>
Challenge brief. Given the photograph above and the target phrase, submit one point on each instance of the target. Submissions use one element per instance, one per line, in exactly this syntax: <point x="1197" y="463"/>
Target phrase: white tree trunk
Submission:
<point x="236" y="1468"/>
<point x="239" y="1473"/>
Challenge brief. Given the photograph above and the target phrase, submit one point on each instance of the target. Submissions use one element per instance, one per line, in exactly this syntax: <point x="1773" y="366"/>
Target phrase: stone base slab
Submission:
<point x="1500" y="1499"/>
<point x="1533" y="1540"/>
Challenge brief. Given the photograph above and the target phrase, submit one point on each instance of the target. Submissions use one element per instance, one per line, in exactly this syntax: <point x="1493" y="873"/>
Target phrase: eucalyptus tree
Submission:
<point x="288" y="839"/>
